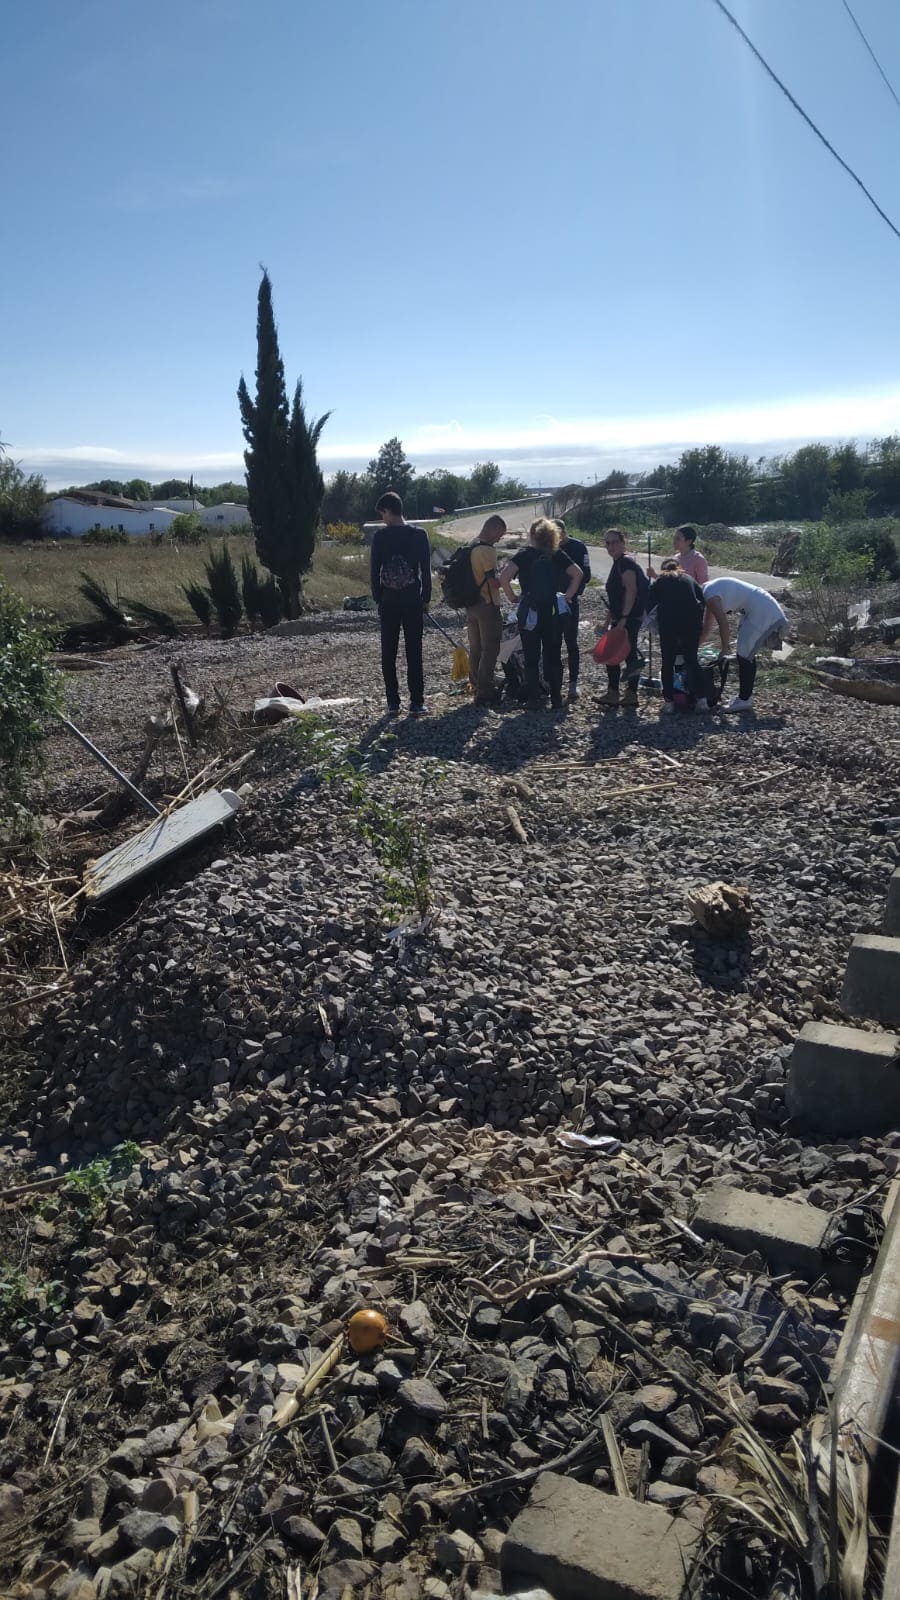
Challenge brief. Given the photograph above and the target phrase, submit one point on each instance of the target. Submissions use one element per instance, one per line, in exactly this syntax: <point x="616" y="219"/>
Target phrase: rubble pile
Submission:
<point x="500" y="1132"/>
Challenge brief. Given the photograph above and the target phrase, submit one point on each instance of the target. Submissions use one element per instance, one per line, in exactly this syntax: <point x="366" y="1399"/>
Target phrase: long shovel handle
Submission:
<point x="446" y="635"/>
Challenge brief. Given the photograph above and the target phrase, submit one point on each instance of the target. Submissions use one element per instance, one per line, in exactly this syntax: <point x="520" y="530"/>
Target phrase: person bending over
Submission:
<point x="678" y="603"/>
<point x="763" y="623"/>
<point x="400" y="576"/>
<point x="542" y="572"/>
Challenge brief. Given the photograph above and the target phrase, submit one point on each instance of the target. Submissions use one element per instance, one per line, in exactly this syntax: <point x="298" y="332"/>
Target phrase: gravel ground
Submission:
<point x="331" y="1118"/>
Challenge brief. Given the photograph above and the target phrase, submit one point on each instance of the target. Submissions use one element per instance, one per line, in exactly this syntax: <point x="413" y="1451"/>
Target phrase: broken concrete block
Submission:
<point x="785" y="1233"/>
<point x="586" y="1545"/>
<point x="872" y="981"/>
<point x="845" y="1081"/>
<point x="892" y="909"/>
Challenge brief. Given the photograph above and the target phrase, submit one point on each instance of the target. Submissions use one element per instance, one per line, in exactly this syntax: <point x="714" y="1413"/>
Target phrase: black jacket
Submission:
<point x="678" y="602"/>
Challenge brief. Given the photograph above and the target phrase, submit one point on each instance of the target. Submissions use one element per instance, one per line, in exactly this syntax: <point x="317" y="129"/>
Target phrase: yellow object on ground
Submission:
<point x="460" y="667"/>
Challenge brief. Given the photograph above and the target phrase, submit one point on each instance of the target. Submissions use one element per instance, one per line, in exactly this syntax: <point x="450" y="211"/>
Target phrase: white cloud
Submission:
<point x="548" y="448"/>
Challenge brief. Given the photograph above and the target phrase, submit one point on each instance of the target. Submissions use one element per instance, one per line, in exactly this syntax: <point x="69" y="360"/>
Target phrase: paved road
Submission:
<point x="518" y="518"/>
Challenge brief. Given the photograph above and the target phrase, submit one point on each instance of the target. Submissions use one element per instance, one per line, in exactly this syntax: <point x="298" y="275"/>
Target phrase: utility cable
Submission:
<point x="865" y="41"/>
<point x="807" y="119"/>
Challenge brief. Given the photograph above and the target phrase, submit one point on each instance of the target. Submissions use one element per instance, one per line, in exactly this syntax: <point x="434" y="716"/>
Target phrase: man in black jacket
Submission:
<point x="679" y="605"/>
<point x="577" y="552"/>
<point x="400" y="574"/>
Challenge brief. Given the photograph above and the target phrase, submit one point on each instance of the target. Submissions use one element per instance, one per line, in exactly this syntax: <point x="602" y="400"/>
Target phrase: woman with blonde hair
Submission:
<point x="544" y="574"/>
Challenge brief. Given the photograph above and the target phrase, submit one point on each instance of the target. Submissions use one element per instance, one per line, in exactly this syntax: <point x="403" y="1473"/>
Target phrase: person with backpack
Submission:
<point x="400" y="575"/>
<point x="577" y="552"/>
<point x="679" y="606"/>
<point x="626" y="594"/>
<point x="469" y="582"/>
<point x="543" y="572"/>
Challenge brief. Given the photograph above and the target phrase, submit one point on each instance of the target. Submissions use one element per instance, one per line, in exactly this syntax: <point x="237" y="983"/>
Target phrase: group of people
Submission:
<point x="551" y="573"/>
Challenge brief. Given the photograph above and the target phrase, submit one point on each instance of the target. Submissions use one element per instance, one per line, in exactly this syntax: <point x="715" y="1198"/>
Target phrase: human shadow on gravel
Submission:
<point x="443" y="736"/>
<point x="721" y="964"/>
<point x="671" y="736"/>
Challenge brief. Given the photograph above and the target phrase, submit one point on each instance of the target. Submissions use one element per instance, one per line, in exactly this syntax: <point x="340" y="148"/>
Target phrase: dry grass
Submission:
<point x="47" y="574"/>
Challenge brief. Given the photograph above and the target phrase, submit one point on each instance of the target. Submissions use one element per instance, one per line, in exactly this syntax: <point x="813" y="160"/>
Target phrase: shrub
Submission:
<point x="344" y="533"/>
<point x="152" y="614"/>
<point x="97" y="595"/>
<point x="877" y="541"/>
<point x="224" y="590"/>
<point x="847" y="505"/>
<point x="270" y="602"/>
<point x="30" y="690"/>
<point x="98" y="535"/>
<point x="250" y="586"/>
<point x="186" y="528"/>
<point x="832" y="584"/>
<point x="199" y="602"/>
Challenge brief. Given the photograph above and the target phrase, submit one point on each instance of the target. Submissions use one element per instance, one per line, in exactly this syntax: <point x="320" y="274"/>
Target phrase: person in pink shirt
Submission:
<point x="690" y="560"/>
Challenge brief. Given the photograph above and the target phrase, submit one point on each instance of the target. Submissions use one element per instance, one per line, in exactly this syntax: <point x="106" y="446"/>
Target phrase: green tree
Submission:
<point x="846" y="468"/>
<point x="349" y="497"/>
<point x="483" y="483"/>
<point x="284" y="483"/>
<point x="22" y="500"/>
<point x="390" y="469"/>
<point x="711" y="485"/>
<point x="885" y="472"/>
<point x="136" y="489"/>
<point x="806" y="482"/>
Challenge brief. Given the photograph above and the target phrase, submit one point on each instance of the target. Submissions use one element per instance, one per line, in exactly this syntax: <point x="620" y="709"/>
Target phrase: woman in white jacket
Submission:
<point x="762" y="623"/>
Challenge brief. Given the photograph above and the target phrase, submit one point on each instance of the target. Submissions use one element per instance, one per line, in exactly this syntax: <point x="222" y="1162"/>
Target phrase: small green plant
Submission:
<point x="396" y="838"/>
<point x="14" y="1288"/>
<point x="199" y="602"/>
<point x="30" y="690"/>
<point x="224" y="590"/>
<point x="98" y="535"/>
<point x="90" y="1186"/>
<point x="96" y="594"/>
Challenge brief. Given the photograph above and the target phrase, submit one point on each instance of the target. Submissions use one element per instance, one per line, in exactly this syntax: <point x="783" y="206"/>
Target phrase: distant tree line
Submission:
<point x="351" y="496"/>
<point x="817" y="483"/>
<point x="169" y="489"/>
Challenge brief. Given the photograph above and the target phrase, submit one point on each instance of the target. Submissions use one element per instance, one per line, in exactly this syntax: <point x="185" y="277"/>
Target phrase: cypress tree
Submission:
<point x="284" y="484"/>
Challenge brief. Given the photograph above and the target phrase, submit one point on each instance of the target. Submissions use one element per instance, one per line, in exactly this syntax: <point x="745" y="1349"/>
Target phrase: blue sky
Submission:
<point x="559" y="235"/>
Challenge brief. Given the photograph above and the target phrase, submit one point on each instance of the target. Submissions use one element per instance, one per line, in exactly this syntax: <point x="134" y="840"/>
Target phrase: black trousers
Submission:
<point x="680" y="644"/>
<point x="544" y="638"/>
<point x="746" y="676"/>
<point x="402" y="614"/>
<point x="614" y="674"/>
<point x="569" y="625"/>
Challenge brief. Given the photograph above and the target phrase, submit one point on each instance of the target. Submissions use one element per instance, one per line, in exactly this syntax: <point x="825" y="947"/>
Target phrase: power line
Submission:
<point x="865" y="41"/>
<point x="807" y="119"/>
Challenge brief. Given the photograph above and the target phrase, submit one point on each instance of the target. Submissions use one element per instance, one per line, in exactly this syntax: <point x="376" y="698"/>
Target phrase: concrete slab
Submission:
<point x="158" y="842"/>
<point x="845" y="1081"/>
<point x="891" y="924"/>
<point x="786" y="1233"/>
<point x="872" y="980"/>
<point x="585" y="1545"/>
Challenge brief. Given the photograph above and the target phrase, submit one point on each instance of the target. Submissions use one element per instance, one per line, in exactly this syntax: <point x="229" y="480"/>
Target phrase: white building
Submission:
<point x="225" y="516"/>
<point x="68" y="515"/>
